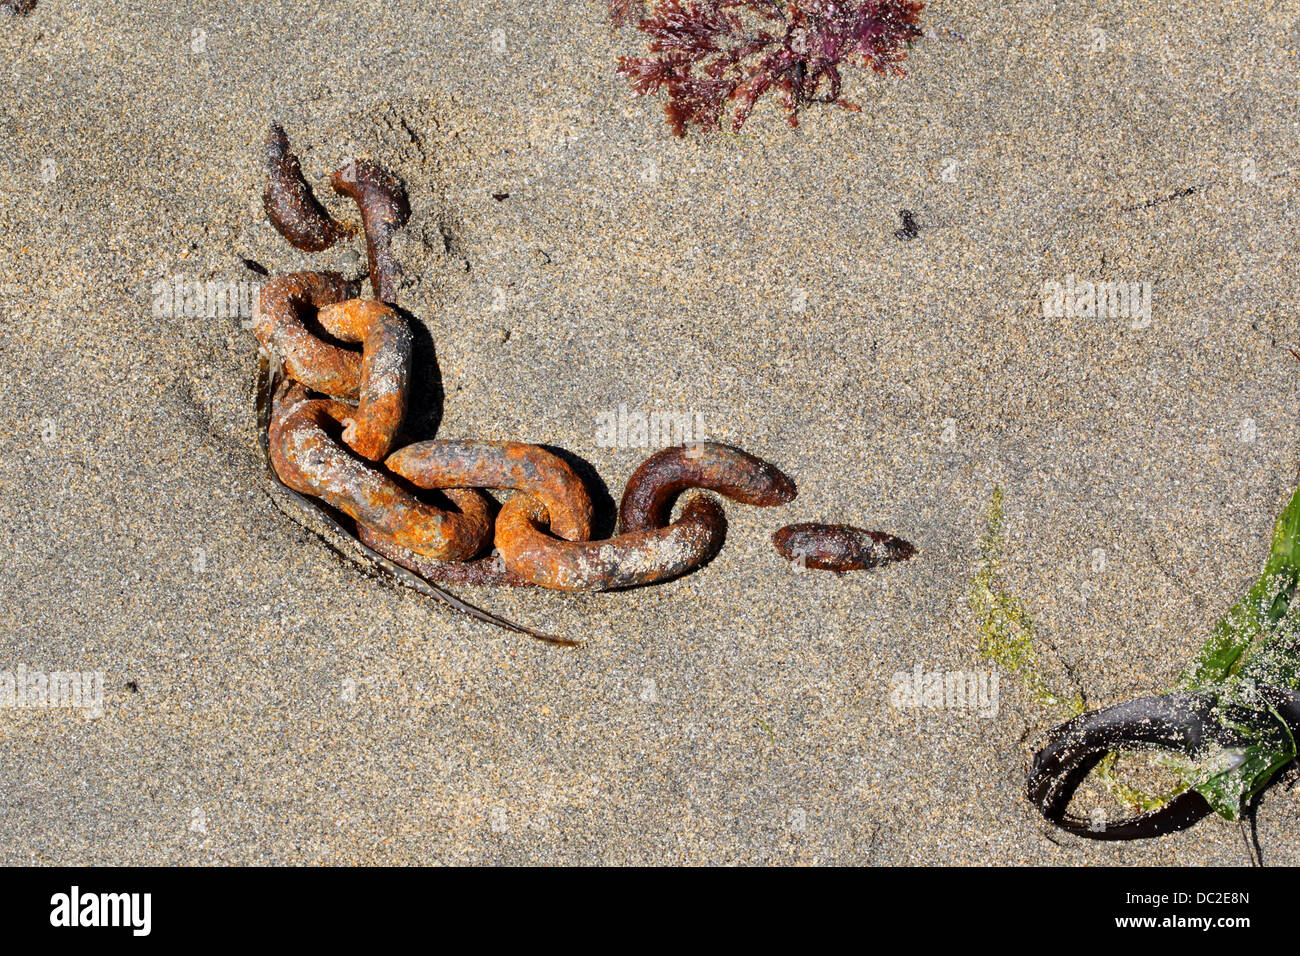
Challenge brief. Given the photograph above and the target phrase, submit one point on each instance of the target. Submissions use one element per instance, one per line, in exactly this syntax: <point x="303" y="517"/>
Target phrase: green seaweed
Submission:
<point x="1259" y="611"/>
<point x="1005" y="625"/>
<point x="1007" y="638"/>
<point x="1108" y="774"/>
<point x="1253" y="646"/>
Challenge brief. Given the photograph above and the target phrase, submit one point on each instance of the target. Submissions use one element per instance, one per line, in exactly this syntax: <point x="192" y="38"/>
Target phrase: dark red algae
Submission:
<point x="711" y="54"/>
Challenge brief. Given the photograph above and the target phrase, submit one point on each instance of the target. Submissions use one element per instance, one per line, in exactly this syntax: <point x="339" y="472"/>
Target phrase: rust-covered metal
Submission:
<point x="381" y="198"/>
<point x="650" y="492"/>
<point x="309" y="459"/>
<point x="319" y="519"/>
<point x="290" y="204"/>
<point x="386" y="344"/>
<point x="628" y="560"/>
<point x="287" y="303"/>
<point x="335" y="454"/>
<point x="650" y="548"/>
<point x="501" y="464"/>
<point x="490" y="571"/>
<point x="837" y="547"/>
<point x="316" y="449"/>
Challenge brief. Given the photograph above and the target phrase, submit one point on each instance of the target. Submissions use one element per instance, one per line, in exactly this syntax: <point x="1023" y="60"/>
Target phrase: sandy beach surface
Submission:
<point x="265" y="702"/>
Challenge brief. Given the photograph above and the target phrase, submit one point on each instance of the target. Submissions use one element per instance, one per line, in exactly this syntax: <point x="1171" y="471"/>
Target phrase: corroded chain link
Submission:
<point x="337" y="414"/>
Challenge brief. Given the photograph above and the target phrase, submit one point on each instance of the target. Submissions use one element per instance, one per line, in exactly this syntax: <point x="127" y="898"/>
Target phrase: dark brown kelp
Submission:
<point x="710" y="53"/>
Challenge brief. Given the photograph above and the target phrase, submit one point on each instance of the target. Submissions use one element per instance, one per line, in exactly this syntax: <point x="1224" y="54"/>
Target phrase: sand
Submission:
<point x="264" y="702"/>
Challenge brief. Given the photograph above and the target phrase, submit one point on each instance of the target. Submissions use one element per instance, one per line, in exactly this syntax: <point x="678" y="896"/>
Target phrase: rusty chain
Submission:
<point x="332" y="416"/>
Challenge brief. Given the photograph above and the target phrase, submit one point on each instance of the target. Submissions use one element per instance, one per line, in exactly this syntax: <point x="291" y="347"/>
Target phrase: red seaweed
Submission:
<point x="710" y="53"/>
